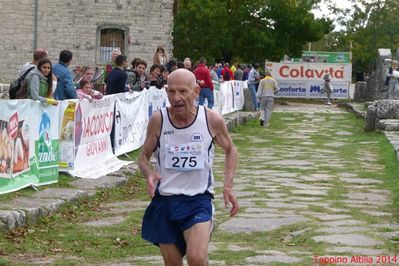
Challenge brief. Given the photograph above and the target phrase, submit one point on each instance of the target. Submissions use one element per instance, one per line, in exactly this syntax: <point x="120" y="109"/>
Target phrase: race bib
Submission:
<point x="184" y="157"/>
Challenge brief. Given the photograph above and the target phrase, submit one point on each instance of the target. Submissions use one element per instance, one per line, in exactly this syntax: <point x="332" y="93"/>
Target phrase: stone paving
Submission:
<point x="292" y="189"/>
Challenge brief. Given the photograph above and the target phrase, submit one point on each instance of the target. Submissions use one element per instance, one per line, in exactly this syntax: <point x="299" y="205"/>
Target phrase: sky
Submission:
<point x="324" y="11"/>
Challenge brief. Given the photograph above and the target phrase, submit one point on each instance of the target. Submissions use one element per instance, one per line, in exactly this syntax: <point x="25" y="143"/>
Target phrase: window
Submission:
<point x="110" y="38"/>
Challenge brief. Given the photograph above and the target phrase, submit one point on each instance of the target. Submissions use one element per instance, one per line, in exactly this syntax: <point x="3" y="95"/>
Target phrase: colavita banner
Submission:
<point x="305" y="79"/>
<point x="29" y="144"/>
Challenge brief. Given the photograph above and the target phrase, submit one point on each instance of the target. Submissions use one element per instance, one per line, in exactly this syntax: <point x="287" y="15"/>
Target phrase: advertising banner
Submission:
<point x="92" y="148"/>
<point x="326" y="57"/>
<point x="67" y="136"/>
<point x="131" y="119"/>
<point x="231" y="96"/>
<point x="305" y="79"/>
<point x="29" y="144"/>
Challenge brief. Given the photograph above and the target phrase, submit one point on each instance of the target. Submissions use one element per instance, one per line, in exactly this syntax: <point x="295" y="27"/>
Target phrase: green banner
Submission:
<point x="29" y="144"/>
<point x="324" y="57"/>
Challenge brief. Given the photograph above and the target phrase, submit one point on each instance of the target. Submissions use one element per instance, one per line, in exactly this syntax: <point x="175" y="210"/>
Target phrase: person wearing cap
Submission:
<point x="267" y="89"/>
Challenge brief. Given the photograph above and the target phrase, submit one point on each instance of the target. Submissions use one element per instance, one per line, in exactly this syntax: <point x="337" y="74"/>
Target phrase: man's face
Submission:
<point x="182" y="92"/>
<point x="140" y="69"/>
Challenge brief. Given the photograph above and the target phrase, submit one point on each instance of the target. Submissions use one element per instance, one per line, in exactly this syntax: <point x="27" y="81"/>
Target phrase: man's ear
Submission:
<point x="197" y="90"/>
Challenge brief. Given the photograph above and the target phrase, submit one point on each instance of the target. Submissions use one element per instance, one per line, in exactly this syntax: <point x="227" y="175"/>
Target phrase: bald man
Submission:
<point x="179" y="218"/>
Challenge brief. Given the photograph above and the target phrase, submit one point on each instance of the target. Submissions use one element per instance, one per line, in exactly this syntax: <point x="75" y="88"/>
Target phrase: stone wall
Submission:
<point x="74" y="25"/>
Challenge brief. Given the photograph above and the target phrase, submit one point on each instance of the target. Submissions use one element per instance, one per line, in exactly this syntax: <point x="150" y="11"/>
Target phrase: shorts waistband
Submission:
<point x="206" y="195"/>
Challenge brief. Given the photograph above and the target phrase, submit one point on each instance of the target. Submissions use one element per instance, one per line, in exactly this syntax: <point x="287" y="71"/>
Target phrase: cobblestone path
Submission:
<point x="317" y="204"/>
<point x="302" y="202"/>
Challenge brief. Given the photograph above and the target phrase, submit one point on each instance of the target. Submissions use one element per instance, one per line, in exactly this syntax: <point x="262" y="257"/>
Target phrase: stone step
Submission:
<point x="388" y="124"/>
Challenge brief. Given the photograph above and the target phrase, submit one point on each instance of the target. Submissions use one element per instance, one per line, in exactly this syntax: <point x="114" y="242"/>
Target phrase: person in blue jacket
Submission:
<point x="65" y="89"/>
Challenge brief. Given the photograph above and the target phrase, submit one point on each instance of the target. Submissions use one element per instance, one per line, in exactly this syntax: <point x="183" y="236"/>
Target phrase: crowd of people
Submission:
<point x="50" y="83"/>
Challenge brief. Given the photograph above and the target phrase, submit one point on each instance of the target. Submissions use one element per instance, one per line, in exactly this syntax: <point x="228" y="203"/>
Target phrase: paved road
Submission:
<point x="300" y="192"/>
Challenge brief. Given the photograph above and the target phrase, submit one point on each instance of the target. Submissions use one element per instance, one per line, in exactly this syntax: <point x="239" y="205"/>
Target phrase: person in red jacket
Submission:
<point x="203" y="76"/>
<point x="227" y="74"/>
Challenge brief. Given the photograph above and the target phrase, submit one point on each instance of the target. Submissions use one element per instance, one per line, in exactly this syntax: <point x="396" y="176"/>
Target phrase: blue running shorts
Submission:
<point x="167" y="217"/>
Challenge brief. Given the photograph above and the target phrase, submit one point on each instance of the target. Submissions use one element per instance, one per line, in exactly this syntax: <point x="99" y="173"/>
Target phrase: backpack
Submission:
<point x="16" y="85"/>
<point x="226" y="75"/>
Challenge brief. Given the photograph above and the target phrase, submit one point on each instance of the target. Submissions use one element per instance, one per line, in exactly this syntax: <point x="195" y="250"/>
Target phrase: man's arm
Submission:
<point x="222" y="138"/>
<point x="150" y="143"/>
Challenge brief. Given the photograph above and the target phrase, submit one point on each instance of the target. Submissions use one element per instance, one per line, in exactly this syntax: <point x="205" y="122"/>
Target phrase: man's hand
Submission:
<point x="230" y="198"/>
<point x="152" y="181"/>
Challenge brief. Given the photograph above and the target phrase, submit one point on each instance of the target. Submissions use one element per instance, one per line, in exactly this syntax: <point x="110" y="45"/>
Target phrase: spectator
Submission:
<point x="391" y="80"/>
<point x="111" y="65"/>
<point x="214" y="74"/>
<point x="171" y="66"/>
<point x="154" y="77"/>
<point x="116" y="82"/>
<point x="65" y="89"/>
<point x="85" y="91"/>
<point x="40" y="83"/>
<point x="187" y="63"/>
<point x="160" y="57"/>
<point x="246" y="72"/>
<point x="87" y="73"/>
<point x="136" y="75"/>
<point x="164" y="75"/>
<point x="38" y="54"/>
<point x="253" y="80"/>
<point x="226" y="73"/>
<point x="238" y="73"/>
<point x="203" y="75"/>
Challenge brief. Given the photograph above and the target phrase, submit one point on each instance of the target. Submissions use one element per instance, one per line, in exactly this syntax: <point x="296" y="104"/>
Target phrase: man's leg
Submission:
<point x="210" y="98"/>
<point x="197" y="238"/>
<point x="201" y="97"/>
<point x="252" y="89"/>
<point x="268" y="110"/>
<point x="171" y="255"/>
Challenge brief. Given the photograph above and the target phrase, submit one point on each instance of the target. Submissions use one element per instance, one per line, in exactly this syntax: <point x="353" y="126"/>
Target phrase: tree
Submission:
<point x="251" y="30"/>
<point x="370" y="25"/>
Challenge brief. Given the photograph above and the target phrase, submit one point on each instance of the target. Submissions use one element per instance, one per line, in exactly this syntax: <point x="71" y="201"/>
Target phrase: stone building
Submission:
<point x="89" y="28"/>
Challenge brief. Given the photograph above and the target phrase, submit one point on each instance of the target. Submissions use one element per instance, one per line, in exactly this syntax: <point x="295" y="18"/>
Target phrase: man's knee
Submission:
<point x="197" y="257"/>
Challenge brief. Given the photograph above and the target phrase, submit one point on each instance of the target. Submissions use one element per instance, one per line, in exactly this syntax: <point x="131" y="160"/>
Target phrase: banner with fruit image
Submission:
<point x="29" y="148"/>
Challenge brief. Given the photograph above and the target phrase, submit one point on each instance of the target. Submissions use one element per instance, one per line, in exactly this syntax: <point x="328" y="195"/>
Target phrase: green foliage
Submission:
<point x="246" y="29"/>
<point x="370" y="25"/>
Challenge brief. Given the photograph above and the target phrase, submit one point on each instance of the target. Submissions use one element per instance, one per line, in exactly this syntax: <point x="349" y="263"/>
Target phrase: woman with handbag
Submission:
<point x="39" y="86"/>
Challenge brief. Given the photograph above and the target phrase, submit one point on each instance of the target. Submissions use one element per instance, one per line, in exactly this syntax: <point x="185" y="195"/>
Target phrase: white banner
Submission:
<point x="157" y="99"/>
<point x="132" y="113"/>
<point x="131" y="119"/>
<point x="93" y="126"/>
<point x="231" y="96"/>
<point x="305" y="79"/>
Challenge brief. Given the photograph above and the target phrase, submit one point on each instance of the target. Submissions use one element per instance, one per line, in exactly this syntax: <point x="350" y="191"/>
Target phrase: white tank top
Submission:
<point x="185" y="156"/>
